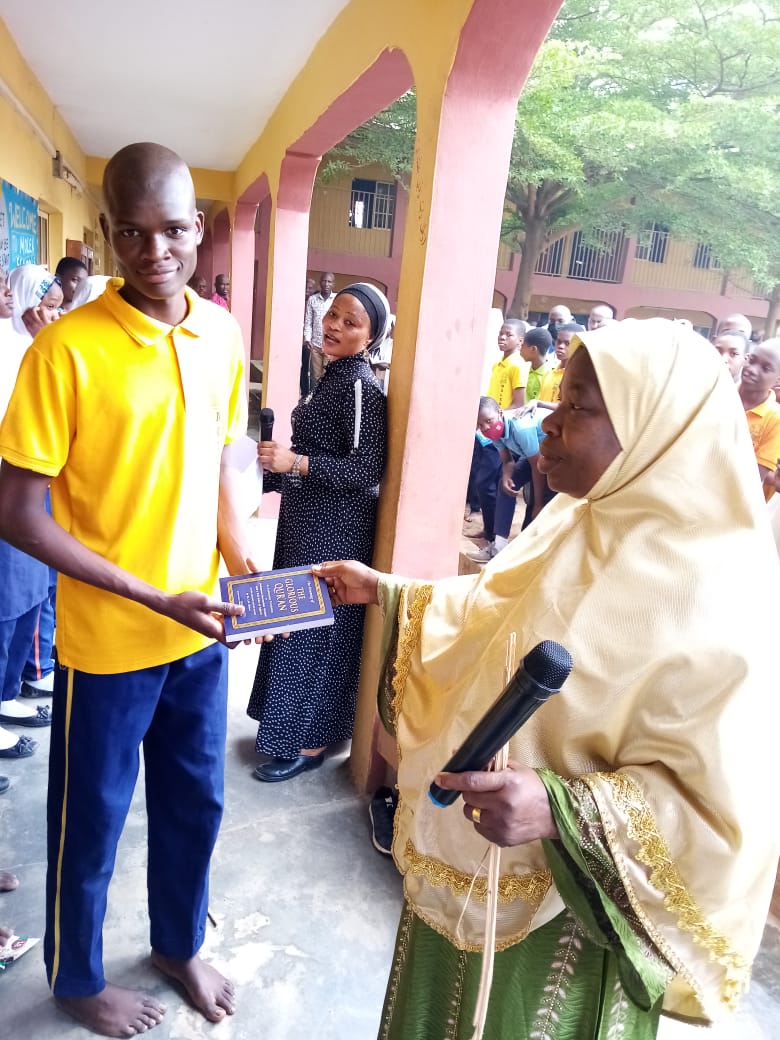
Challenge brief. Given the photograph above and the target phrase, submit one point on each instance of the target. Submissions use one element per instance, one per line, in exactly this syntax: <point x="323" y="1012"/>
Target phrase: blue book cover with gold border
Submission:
<point x="275" y="601"/>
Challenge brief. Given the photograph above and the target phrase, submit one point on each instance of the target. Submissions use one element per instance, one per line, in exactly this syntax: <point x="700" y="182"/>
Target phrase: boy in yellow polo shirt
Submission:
<point x="760" y="373"/>
<point x="535" y="351"/>
<point x="507" y="387"/>
<point x="125" y="406"/>
<point x="550" y="391"/>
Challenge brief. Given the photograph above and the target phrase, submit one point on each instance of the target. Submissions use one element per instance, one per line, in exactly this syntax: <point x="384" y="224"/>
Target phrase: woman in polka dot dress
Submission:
<point x="305" y="687"/>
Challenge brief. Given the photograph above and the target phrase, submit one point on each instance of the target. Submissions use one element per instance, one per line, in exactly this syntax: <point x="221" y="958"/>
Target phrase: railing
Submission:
<point x="345" y="221"/>
<point x="663" y="262"/>
<point x="600" y="258"/>
<point x="551" y="260"/>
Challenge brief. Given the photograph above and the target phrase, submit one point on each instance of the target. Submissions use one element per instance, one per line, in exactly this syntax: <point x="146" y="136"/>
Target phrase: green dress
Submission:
<point x="591" y="973"/>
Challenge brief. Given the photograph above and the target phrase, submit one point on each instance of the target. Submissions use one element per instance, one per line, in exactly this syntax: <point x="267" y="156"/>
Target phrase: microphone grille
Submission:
<point x="267" y="414"/>
<point x="548" y="664"/>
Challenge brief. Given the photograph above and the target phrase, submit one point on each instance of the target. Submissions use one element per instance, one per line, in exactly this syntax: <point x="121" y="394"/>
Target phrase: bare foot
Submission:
<point x="5" y="934"/>
<point x="115" y="1011"/>
<point x="211" y="993"/>
<point x="8" y="882"/>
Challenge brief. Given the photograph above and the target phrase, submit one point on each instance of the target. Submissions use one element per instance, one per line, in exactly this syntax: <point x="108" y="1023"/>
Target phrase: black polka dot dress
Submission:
<point x="305" y="686"/>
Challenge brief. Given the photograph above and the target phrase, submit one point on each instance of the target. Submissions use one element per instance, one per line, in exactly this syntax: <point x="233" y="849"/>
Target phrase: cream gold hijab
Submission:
<point x="656" y="585"/>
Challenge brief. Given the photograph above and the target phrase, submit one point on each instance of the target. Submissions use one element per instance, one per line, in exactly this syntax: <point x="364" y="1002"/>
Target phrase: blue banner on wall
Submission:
<point x="18" y="228"/>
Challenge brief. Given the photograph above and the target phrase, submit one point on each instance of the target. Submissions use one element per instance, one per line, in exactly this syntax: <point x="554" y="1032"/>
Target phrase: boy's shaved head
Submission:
<point x="154" y="230"/>
<point x="137" y="171"/>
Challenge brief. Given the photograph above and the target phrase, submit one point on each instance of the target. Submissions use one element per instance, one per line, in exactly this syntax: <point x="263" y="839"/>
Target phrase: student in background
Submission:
<point x="550" y="392"/>
<point x="732" y="347"/>
<point x="601" y="314"/>
<point x="37" y="297"/>
<point x="535" y="351"/>
<point x="199" y="284"/>
<point x="22" y="589"/>
<point x="72" y="274"/>
<point x="221" y="295"/>
<point x="760" y="374"/>
<point x="517" y="440"/>
<point x="507" y="387"/>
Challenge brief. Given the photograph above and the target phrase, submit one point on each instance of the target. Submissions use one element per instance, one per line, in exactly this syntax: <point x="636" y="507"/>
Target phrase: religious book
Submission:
<point x="275" y="601"/>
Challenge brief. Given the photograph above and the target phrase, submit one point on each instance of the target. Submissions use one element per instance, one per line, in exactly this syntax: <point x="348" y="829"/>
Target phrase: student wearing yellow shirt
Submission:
<point x="535" y="350"/>
<point x="507" y="387"/>
<point x="550" y="392"/>
<point x="760" y="373"/>
<point x="125" y="406"/>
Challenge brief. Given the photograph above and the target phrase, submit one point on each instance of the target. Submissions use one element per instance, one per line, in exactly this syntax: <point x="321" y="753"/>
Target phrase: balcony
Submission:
<point x="599" y="259"/>
<point x="664" y="263"/>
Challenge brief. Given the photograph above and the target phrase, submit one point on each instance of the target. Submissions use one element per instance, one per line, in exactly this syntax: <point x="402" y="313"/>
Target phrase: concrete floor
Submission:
<point x="306" y="909"/>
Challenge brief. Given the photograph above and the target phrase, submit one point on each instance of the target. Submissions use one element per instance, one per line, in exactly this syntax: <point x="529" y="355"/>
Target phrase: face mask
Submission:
<point x="495" y="431"/>
<point x="553" y="328"/>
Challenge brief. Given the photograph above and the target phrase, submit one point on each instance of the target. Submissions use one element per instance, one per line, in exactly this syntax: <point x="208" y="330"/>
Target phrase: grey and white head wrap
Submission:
<point x="376" y="306"/>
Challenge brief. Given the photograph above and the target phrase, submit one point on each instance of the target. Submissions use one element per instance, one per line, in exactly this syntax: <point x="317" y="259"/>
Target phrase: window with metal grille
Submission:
<point x="703" y="258"/>
<point x="601" y="258"/>
<point x="372" y="204"/>
<point x="651" y="244"/>
<point x="551" y="259"/>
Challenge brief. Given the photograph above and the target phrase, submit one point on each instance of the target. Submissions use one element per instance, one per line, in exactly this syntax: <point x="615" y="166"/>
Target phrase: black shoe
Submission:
<point x="23" y="748"/>
<point x="29" y="689"/>
<point x="277" y="769"/>
<point x="381" y="810"/>
<point x="5" y="783"/>
<point x="42" y="717"/>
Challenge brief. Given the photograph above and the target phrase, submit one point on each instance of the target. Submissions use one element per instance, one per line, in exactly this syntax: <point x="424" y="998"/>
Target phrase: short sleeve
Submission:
<point x="40" y="421"/>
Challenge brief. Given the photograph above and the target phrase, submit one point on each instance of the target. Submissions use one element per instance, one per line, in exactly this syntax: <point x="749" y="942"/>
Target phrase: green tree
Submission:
<point x="634" y="114"/>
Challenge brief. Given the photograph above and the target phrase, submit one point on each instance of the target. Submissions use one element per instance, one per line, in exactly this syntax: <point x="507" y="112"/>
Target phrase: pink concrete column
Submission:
<point x="447" y="279"/>
<point x="464" y="138"/>
<point x="286" y="284"/>
<point x="242" y="268"/>
<point x="262" y="240"/>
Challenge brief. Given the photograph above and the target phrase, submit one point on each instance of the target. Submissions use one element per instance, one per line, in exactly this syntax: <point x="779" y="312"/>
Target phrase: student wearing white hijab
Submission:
<point x="37" y="296"/>
<point x="637" y="819"/>
<point x="24" y="586"/>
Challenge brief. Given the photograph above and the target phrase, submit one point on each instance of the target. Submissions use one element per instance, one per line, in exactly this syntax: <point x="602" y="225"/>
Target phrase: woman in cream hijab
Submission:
<point x="636" y="819"/>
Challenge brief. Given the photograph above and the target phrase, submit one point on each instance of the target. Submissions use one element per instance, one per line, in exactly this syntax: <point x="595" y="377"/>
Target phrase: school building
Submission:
<point x="357" y="225"/>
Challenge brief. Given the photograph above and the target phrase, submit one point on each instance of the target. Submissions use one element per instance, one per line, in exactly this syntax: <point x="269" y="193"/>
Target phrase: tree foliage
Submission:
<point x="635" y="114"/>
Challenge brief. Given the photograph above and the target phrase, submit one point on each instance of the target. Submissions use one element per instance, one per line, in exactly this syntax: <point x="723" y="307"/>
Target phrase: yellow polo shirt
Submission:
<point x="129" y="417"/>
<point x="764" y="425"/>
<point x="536" y="377"/>
<point x="550" y="389"/>
<point x="506" y="376"/>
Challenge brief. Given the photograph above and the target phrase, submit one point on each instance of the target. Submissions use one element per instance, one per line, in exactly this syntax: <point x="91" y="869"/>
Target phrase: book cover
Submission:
<point x="275" y="601"/>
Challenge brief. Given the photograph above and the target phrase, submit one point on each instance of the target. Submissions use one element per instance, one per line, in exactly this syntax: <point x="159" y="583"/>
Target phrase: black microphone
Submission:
<point x="543" y="672"/>
<point x="266" y="424"/>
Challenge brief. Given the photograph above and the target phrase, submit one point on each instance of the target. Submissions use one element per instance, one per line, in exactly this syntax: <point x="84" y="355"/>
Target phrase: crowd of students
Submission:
<point x="525" y="385"/>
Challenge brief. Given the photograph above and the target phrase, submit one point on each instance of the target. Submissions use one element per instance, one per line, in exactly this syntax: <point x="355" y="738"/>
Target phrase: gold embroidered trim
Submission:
<point x="409" y="640"/>
<point x="460" y="944"/>
<point x="664" y="875"/>
<point x="529" y="887"/>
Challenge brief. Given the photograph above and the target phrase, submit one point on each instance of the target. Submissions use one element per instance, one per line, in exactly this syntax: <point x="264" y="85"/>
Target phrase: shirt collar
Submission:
<point x="147" y="331"/>
<point x="765" y="406"/>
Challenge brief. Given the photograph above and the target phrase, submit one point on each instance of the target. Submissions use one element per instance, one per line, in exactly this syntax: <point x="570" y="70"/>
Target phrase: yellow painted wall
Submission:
<point x="329" y="227"/>
<point x="677" y="271"/>
<point x="26" y="163"/>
